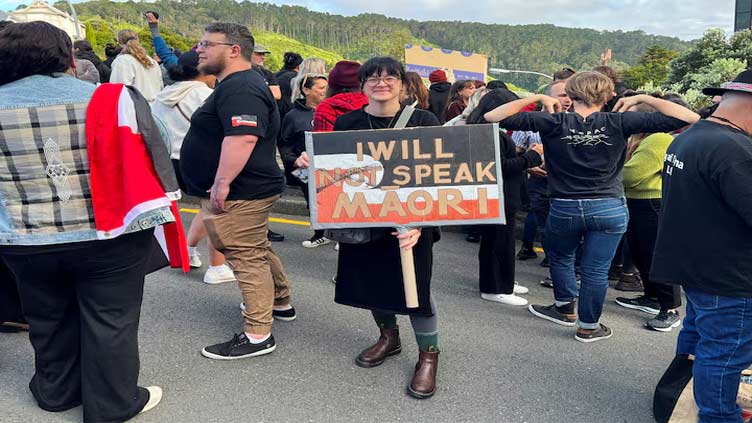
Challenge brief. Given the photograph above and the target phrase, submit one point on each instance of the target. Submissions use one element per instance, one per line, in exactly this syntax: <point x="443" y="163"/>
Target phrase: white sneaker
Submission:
<point x="218" y="275"/>
<point x="336" y="247"/>
<point x="155" y="396"/>
<point x="315" y="242"/>
<point x="519" y="289"/>
<point x="510" y="299"/>
<point x="195" y="261"/>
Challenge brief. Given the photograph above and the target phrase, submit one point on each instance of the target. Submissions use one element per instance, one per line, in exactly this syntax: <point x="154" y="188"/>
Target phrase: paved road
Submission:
<point x="498" y="363"/>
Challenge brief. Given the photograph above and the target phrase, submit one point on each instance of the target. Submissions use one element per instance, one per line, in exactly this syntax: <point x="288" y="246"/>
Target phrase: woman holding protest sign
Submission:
<point x="497" y="246"/>
<point x="369" y="275"/>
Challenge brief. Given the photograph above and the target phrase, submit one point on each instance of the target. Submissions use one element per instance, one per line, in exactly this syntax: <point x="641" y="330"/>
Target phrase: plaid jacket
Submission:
<point x="45" y="197"/>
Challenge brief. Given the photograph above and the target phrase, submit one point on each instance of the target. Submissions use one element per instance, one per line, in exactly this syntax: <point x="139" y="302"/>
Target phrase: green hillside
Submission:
<point x="543" y="48"/>
<point x="100" y="31"/>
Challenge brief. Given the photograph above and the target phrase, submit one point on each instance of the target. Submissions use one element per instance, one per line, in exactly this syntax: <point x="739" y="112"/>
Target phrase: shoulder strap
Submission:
<point x="185" y="115"/>
<point x="405" y="116"/>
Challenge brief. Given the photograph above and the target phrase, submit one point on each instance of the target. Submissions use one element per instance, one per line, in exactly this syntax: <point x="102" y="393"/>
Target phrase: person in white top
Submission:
<point x="134" y="67"/>
<point x="172" y="110"/>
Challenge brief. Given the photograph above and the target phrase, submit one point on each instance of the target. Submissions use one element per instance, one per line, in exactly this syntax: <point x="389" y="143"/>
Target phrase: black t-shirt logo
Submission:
<point x="244" y="120"/>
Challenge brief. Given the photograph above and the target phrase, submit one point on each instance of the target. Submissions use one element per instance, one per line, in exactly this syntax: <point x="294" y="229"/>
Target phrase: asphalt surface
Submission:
<point x="498" y="363"/>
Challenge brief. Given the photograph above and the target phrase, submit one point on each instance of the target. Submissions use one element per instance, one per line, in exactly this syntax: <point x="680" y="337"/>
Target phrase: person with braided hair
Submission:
<point x="134" y="67"/>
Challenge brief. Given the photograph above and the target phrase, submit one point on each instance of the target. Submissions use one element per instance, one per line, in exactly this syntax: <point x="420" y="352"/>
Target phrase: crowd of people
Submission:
<point x="627" y="185"/>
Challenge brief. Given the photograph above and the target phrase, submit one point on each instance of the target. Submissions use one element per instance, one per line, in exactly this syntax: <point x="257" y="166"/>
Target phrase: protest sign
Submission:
<point x="411" y="177"/>
<point x="458" y="65"/>
<point x="425" y="176"/>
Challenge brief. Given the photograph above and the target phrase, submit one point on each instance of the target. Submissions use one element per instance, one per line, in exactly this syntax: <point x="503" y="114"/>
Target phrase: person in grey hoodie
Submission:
<point x="172" y="110"/>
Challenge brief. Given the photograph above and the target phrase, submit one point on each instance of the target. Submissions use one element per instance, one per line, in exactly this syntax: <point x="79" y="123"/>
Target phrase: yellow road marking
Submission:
<point x="303" y="223"/>
<point x="289" y="222"/>
<point x="271" y="219"/>
<point x="538" y="249"/>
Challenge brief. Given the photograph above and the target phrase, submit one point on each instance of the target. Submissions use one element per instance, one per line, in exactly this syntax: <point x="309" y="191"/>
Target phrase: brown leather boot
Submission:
<point x="388" y="344"/>
<point x="423" y="384"/>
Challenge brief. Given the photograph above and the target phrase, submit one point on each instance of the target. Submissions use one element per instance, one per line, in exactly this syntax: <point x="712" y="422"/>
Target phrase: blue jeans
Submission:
<point x="530" y="229"/>
<point x="599" y="224"/>
<point x="718" y="332"/>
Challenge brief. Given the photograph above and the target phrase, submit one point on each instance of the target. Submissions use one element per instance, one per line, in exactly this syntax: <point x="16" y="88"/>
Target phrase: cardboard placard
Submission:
<point x="413" y="177"/>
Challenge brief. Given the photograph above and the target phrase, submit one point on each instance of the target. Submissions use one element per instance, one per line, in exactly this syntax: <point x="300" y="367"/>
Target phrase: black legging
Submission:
<point x="641" y="234"/>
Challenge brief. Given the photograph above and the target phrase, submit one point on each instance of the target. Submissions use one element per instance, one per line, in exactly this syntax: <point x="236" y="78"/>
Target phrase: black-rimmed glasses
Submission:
<point x="205" y="44"/>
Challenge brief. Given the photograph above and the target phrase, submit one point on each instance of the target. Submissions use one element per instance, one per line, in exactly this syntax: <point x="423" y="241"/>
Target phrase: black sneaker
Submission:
<point x="614" y="273"/>
<point x="587" y="336"/>
<point x="664" y="321"/>
<point x="641" y="303"/>
<point x="238" y="347"/>
<point x="275" y="237"/>
<point x="629" y="282"/>
<point x="14" y="327"/>
<point x="526" y="253"/>
<point x="548" y="282"/>
<point x="285" y="315"/>
<point x="563" y="315"/>
<point x="314" y="242"/>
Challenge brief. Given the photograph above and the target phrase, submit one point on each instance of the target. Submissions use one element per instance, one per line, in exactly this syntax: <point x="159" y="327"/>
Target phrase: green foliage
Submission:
<point x="91" y="37"/>
<point x="714" y="45"/>
<point x="716" y="73"/>
<point x="653" y="67"/>
<point x="542" y="48"/>
<point x="279" y="44"/>
<point x="712" y="75"/>
<point x="100" y="32"/>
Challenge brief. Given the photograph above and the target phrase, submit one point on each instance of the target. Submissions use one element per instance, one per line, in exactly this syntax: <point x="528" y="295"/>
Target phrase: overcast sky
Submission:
<point x="686" y="19"/>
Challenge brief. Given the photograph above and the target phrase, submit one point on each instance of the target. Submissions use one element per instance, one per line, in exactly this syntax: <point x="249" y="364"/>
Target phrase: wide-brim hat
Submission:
<point x="742" y="83"/>
<point x="260" y="49"/>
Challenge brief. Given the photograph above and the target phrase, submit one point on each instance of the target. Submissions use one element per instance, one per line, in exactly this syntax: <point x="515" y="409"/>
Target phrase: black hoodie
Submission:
<point x="438" y="97"/>
<point x="292" y="137"/>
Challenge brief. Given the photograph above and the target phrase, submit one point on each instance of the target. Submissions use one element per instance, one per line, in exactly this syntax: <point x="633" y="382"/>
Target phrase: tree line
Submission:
<point x="542" y="48"/>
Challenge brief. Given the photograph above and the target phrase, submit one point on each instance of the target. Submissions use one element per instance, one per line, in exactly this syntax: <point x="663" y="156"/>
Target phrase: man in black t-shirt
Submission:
<point x="228" y="158"/>
<point x="705" y="244"/>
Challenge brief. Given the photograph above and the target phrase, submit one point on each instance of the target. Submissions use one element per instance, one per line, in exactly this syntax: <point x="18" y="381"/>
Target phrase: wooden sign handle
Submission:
<point x="408" y="274"/>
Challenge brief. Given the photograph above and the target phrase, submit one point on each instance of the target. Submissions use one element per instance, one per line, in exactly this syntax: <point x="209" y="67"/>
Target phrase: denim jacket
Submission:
<point x="45" y="196"/>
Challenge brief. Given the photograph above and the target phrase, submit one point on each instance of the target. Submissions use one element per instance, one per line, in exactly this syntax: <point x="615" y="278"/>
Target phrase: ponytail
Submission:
<point x="129" y="38"/>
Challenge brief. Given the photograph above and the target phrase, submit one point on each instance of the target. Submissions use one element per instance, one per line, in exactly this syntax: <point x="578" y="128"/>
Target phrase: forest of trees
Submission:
<point x="543" y="48"/>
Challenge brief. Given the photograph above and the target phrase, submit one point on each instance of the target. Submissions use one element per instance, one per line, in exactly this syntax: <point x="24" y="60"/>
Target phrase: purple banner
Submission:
<point x="424" y="71"/>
